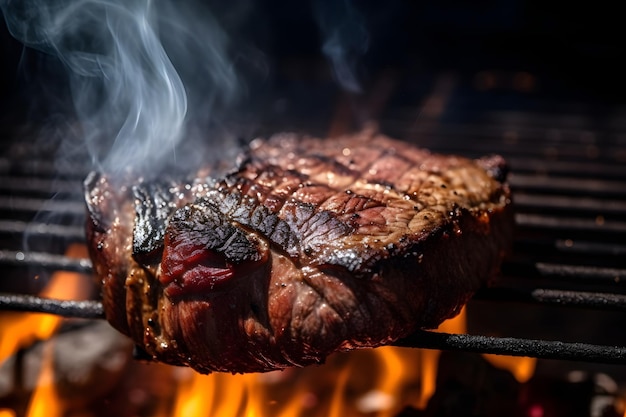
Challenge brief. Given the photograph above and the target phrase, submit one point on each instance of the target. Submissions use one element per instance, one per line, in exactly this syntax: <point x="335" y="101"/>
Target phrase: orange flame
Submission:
<point x="195" y="397"/>
<point x="44" y="401"/>
<point x="522" y="368"/>
<point x="295" y="404"/>
<point x="219" y="395"/>
<point x="377" y="382"/>
<point x="337" y="403"/>
<point x="429" y="359"/>
<point x="24" y="329"/>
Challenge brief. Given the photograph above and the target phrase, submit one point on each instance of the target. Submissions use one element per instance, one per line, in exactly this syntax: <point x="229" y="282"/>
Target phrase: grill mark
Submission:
<point x="335" y="165"/>
<point x="389" y="166"/>
<point x="382" y="152"/>
<point x="344" y="226"/>
<point x="270" y="226"/>
<point x="200" y="226"/>
<point x="289" y="223"/>
<point x="292" y="224"/>
<point x="334" y="190"/>
<point x="341" y="168"/>
<point x="262" y="191"/>
<point x="412" y="162"/>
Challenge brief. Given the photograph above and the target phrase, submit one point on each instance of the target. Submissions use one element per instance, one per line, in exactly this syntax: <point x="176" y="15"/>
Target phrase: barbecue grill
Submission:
<point x="569" y="185"/>
<point x="563" y="291"/>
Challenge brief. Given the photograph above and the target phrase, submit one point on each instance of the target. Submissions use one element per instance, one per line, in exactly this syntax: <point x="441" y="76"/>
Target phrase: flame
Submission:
<point x="375" y="382"/>
<point x="372" y="382"/>
<point x="522" y="368"/>
<point x="394" y="375"/>
<point x="22" y="329"/>
<point x="429" y="359"/>
<point x="19" y="329"/>
<point x="44" y="401"/>
<point x="219" y="395"/>
<point x="294" y="405"/>
<point x="195" y="397"/>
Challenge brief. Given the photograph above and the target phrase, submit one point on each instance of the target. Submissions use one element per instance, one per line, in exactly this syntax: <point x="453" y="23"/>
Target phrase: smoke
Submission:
<point x="345" y="39"/>
<point x="133" y="67"/>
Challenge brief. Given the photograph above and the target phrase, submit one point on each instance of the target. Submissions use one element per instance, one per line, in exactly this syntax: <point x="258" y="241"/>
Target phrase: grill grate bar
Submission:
<point x="584" y="299"/>
<point x="45" y="260"/>
<point x="472" y="148"/>
<point x="40" y="205"/>
<point x="568" y="203"/>
<point x="87" y="309"/>
<point x="584" y="186"/>
<point x="41" y="167"/>
<point x="570" y="247"/>
<point x="566" y="168"/>
<point x="582" y="272"/>
<point x="599" y="224"/>
<point x="43" y="230"/>
<point x="545" y="349"/>
<point x="521" y="268"/>
<point x="589" y="248"/>
<point x="40" y="185"/>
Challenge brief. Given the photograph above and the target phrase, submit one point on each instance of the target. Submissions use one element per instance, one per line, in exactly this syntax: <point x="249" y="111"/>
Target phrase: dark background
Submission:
<point x="573" y="51"/>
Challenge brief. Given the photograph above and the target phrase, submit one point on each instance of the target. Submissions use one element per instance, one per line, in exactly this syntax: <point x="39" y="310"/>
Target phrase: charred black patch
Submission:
<point x="250" y="214"/>
<point x="153" y="206"/>
<point x="202" y="225"/>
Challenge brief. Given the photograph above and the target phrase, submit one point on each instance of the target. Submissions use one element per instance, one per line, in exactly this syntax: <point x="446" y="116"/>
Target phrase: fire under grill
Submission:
<point x="569" y="186"/>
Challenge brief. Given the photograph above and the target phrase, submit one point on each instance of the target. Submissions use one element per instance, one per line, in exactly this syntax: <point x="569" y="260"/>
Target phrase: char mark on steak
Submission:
<point x="306" y="248"/>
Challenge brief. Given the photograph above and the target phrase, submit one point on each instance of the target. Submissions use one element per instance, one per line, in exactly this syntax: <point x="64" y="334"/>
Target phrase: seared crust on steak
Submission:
<point x="308" y="247"/>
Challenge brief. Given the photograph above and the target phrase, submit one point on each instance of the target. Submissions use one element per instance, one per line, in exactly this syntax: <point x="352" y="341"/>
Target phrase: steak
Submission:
<point x="305" y="248"/>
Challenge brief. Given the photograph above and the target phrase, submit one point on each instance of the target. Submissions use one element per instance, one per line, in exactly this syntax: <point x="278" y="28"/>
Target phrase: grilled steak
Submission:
<point x="306" y="248"/>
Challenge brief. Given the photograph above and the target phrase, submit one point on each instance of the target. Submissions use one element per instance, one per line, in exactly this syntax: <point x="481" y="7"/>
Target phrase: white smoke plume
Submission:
<point x="345" y="39"/>
<point x="124" y="60"/>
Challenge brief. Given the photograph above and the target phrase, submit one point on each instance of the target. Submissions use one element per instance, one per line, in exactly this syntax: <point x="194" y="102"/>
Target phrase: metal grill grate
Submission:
<point x="568" y="176"/>
<point x="569" y="182"/>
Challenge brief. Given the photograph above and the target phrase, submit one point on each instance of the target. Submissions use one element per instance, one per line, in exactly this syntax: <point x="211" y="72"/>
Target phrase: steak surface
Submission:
<point x="307" y="247"/>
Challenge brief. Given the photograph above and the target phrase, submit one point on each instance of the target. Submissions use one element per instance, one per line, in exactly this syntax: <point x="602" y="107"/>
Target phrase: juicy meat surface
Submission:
<point x="306" y="248"/>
